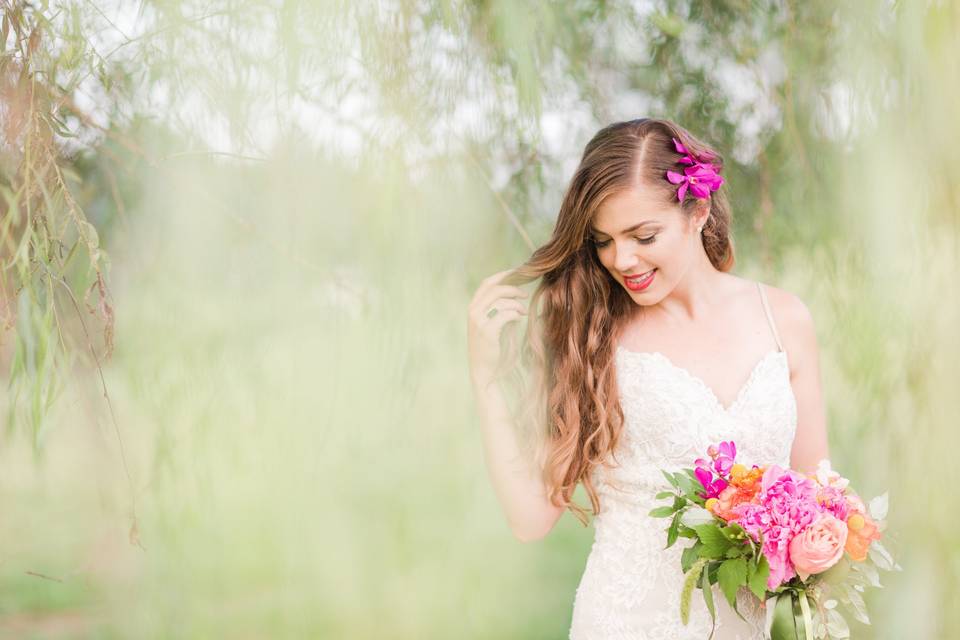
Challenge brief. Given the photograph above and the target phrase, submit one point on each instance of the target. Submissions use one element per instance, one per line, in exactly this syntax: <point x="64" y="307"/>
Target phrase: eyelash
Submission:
<point x="647" y="240"/>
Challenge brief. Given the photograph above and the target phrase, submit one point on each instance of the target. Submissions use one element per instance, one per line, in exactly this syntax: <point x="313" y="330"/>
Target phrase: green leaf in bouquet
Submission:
<point x="818" y="616"/>
<point x="758" y="575"/>
<point x="731" y="575"/>
<point x="855" y="603"/>
<point x="837" y="626"/>
<point x="670" y="478"/>
<point x="679" y="503"/>
<point x="665" y="494"/>
<point x="735" y="551"/>
<point x="673" y="531"/>
<point x="686" y="532"/>
<point x="870" y="574"/>
<point x="695" y="516"/>
<point x="881" y="557"/>
<point x="708" y="598"/>
<point x="688" y="584"/>
<point x="712" y="570"/>
<point x="690" y="555"/>
<point x="714" y="542"/>
<point x="754" y="550"/>
<point x="734" y="532"/>
<point x="878" y="507"/>
<point x="690" y="488"/>
<point x="662" y="512"/>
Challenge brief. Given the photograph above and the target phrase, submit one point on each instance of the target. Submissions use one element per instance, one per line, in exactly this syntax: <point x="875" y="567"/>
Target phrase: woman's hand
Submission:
<point x="483" y="331"/>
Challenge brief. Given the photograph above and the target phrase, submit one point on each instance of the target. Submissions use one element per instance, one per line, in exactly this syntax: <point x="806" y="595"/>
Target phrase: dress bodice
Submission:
<point x="671" y="417"/>
<point x="631" y="585"/>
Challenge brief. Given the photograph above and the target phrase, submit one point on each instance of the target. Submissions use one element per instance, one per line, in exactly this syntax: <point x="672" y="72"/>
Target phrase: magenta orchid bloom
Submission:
<point x="700" y="176"/>
<point x="725" y="457"/>
<point x="704" y="474"/>
<point x="712" y="485"/>
<point x="688" y="157"/>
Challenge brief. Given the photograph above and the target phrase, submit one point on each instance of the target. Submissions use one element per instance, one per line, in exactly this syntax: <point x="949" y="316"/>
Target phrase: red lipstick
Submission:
<point x="639" y="284"/>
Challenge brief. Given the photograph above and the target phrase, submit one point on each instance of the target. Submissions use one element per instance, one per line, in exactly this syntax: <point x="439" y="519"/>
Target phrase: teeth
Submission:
<point x="641" y="276"/>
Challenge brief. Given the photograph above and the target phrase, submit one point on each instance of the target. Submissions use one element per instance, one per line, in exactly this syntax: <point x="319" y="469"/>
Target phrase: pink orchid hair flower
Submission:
<point x="700" y="177"/>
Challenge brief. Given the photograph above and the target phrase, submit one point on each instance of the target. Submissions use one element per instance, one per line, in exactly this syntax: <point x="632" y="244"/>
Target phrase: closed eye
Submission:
<point x="602" y="243"/>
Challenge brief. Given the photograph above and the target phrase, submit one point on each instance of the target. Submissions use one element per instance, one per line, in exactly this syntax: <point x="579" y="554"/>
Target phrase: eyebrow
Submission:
<point x="628" y="229"/>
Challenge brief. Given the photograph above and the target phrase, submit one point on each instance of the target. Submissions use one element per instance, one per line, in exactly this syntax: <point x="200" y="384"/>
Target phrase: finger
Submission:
<point x="503" y="317"/>
<point x="486" y="298"/>
<point x="502" y="304"/>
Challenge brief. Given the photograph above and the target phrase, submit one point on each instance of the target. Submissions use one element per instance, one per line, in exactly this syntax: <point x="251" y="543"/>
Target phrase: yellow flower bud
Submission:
<point x="711" y="503"/>
<point x="856" y="522"/>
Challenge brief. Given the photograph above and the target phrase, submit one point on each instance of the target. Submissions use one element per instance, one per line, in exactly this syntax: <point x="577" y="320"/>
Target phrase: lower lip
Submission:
<point x="640" y="285"/>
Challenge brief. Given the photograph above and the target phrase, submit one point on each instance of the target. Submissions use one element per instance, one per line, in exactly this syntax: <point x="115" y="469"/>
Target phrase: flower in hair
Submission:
<point x="700" y="176"/>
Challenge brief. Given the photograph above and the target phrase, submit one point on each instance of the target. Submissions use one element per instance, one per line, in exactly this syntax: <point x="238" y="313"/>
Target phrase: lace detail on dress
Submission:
<point x="631" y="584"/>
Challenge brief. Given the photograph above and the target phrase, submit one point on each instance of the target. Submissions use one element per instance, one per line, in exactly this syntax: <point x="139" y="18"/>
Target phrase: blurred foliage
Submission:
<point x="298" y="199"/>
<point x="46" y="286"/>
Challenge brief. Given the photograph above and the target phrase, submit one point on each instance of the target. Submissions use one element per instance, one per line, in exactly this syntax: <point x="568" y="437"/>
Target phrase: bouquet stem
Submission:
<point x="791" y="619"/>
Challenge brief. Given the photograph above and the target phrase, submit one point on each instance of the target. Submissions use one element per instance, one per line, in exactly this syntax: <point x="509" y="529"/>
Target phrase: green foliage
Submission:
<point x="715" y="544"/>
<point x="758" y="572"/>
<point x="674" y="530"/>
<point x="44" y="293"/>
<point x="708" y="598"/>
<point x="732" y="574"/>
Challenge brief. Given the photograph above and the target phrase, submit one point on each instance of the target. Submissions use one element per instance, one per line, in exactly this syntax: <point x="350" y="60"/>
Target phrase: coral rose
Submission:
<point x="722" y="506"/>
<point x="863" y="531"/>
<point x="819" y="546"/>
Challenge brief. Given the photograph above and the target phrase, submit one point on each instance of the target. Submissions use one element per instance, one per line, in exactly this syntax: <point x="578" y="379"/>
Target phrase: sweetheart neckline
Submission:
<point x="698" y="381"/>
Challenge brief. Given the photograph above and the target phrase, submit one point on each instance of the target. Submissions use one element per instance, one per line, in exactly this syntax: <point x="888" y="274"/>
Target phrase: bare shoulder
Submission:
<point x="795" y="325"/>
<point x="787" y="305"/>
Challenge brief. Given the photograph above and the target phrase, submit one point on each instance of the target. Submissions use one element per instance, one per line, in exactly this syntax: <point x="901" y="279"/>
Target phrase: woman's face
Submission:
<point x="646" y="245"/>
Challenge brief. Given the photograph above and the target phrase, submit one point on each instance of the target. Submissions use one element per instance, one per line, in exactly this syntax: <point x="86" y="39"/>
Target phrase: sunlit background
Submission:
<point x="238" y="244"/>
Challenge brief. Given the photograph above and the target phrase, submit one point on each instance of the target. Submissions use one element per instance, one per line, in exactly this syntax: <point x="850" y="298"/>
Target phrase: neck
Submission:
<point x="696" y="295"/>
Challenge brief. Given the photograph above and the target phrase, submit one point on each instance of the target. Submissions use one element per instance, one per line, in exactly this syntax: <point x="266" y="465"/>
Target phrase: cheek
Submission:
<point x="605" y="256"/>
<point x="667" y="253"/>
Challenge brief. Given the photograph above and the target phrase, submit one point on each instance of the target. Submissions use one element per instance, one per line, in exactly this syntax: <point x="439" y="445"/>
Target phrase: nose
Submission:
<point x="625" y="259"/>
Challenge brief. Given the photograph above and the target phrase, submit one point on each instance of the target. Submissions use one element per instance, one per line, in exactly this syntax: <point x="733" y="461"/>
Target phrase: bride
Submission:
<point x="644" y="350"/>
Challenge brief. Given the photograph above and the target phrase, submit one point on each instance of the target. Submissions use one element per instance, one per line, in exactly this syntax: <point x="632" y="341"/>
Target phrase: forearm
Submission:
<point x="517" y="482"/>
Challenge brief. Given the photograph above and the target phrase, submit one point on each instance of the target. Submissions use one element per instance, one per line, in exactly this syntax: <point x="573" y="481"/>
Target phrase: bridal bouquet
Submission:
<point x="801" y="543"/>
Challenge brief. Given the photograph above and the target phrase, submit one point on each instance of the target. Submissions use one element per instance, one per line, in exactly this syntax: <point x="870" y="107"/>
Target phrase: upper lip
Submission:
<point x="637" y="275"/>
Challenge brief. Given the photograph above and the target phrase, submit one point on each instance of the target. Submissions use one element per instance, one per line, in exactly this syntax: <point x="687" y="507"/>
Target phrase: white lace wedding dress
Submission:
<point x="631" y="585"/>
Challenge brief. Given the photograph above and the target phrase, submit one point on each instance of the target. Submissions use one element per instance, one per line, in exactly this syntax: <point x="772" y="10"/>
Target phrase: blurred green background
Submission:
<point x="262" y="426"/>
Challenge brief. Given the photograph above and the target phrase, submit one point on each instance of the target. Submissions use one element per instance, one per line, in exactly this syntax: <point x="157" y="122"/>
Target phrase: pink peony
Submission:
<point x="786" y="505"/>
<point x="819" y="546"/>
<point x="834" y="500"/>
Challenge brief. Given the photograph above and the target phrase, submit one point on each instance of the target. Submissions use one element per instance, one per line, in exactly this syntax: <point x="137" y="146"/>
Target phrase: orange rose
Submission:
<point x="862" y="531"/>
<point x="730" y="497"/>
<point x="745" y="478"/>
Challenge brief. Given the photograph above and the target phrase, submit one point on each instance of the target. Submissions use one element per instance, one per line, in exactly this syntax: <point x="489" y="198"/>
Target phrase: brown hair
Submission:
<point x="571" y="405"/>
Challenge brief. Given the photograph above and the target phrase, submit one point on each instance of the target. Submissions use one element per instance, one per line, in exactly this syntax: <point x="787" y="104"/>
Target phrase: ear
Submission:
<point x="700" y="215"/>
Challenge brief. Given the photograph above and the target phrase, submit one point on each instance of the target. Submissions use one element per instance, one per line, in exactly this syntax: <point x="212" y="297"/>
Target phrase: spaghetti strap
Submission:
<point x="766" y="308"/>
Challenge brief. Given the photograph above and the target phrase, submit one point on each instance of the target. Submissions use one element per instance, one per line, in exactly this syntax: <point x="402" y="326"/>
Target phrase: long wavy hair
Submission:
<point x="570" y="403"/>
